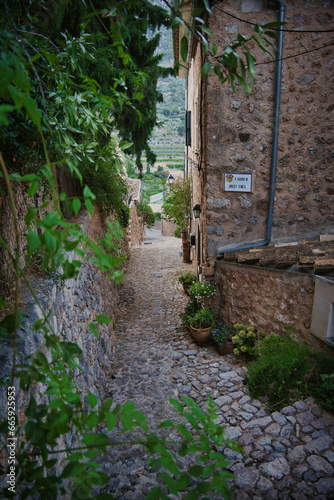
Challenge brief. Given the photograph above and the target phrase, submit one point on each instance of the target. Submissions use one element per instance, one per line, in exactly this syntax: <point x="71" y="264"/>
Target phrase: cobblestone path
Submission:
<point x="288" y="454"/>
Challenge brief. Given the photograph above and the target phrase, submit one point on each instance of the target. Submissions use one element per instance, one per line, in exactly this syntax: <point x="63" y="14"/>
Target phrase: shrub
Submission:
<point x="108" y="187"/>
<point x="280" y="370"/>
<point x="321" y="382"/>
<point x="246" y="340"/>
<point x="146" y="213"/>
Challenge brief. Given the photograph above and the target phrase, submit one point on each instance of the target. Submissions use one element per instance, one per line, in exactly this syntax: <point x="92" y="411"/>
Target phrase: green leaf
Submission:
<point x="205" y="69"/>
<point x="184" y="431"/>
<point x="33" y="188"/>
<point x="207" y="6"/>
<point x="94" y="329"/>
<point x="33" y="242"/>
<point x="205" y="30"/>
<point x="91" y="400"/>
<point x="275" y="24"/>
<point x="154" y="494"/>
<point x="218" y="72"/>
<point x="262" y="46"/>
<point x="251" y="66"/>
<point x="165" y="424"/>
<point x="30" y="215"/>
<point x="33" y="111"/>
<point x="197" y="12"/>
<point x="49" y="240"/>
<point x="103" y="318"/>
<point x="95" y="439"/>
<point x="88" y="193"/>
<point x="51" y="219"/>
<point x="272" y="34"/>
<point x="111" y="421"/>
<point x="76" y="206"/>
<point x="182" y="482"/>
<point x="184" y="48"/>
<point x="177" y="21"/>
<point x="196" y="470"/>
<point x="89" y="206"/>
<point x="124" y="144"/>
<point x="169" y="482"/>
<point x="177" y="405"/>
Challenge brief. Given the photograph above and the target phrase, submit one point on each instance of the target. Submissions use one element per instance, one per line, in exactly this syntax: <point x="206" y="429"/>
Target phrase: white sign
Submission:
<point x="238" y="182"/>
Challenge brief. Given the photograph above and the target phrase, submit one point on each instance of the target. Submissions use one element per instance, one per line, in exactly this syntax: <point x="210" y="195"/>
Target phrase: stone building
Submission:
<point x="262" y="167"/>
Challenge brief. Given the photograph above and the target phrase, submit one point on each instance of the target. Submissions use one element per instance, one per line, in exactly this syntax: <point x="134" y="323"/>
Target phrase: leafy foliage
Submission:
<point x="221" y="333"/>
<point x="146" y="213"/>
<point x="247" y="340"/>
<point x="177" y="203"/>
<point x="228" y="64"/>
<point x="204" y="318"/>
<point x="287" y="369"/>
<point x="62" y="99"/>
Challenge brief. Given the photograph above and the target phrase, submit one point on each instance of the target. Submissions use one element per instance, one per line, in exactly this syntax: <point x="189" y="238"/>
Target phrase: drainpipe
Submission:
<point x="275" y="138"/>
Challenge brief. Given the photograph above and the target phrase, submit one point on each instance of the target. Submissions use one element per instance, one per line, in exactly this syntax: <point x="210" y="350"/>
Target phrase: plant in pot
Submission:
<point x="186" y="280"/>
<point x="222" y="336"/>
<point x="200" y="325"/>
<point x="201" y="290"/>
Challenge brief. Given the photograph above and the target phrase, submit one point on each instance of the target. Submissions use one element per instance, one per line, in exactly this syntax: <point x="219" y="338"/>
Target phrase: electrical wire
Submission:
<point x="273" y="29"/>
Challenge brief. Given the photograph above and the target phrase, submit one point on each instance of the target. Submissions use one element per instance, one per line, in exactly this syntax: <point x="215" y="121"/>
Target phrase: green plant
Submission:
<point x="200" y="290"/>
<point x="190" y="310"/>
<point x="187" y="279"/>
<point x="221" y="333"/>
<point x="177" y="203"/>
<point x="246" y="339"/>
<point x="325" y="392"/>
<point x="280" y="370"/>
<point x="146" y="213"/>
<point x="320" y="383"/>
<point x="204" y="318"/>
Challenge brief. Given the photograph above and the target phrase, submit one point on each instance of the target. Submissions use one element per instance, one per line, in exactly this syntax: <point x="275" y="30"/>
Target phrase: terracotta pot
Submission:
<point x="227" y="349"/>
<point x="206" y="270"/>
<point x="201" y="336"/>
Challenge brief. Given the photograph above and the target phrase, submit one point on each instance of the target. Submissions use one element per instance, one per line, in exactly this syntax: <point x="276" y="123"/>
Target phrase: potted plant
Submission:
<point x="199" y="319"/>
<point x="200" y="325"/>
<point x="222" y="336"/>
<point x="246" y="340"/>
<point x="186" y="280"/>
<point x="200" y="290"/>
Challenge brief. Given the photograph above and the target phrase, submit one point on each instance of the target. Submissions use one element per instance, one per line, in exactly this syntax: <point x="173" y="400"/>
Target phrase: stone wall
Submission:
<point x="71" y="305"/>
<point x="136" y="229"/>
<point x="268" y="299"/>
<point x="167" y="228"/>
<point x="239" y="130"/>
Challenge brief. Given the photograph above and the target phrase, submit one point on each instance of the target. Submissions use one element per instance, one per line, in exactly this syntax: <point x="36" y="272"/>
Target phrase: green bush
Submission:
<point x="108" y="186"/>
<point x="146" y="213"/>
<point x="321" y="383"/>
<point x="287" y="370"/>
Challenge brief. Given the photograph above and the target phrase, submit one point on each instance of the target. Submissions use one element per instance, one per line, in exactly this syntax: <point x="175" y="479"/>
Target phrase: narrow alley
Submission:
<point x="288" y="454"/>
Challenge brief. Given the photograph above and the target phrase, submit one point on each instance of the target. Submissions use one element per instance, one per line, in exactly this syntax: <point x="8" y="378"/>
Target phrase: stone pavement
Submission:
<point x="288" y="454"/>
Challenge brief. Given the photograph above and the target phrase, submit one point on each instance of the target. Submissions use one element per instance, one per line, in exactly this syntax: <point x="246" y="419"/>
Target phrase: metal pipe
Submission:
<point x="275" y="138"/>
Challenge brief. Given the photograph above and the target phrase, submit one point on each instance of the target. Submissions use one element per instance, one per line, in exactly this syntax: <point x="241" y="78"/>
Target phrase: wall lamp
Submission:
<point x="197" y="211"/>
